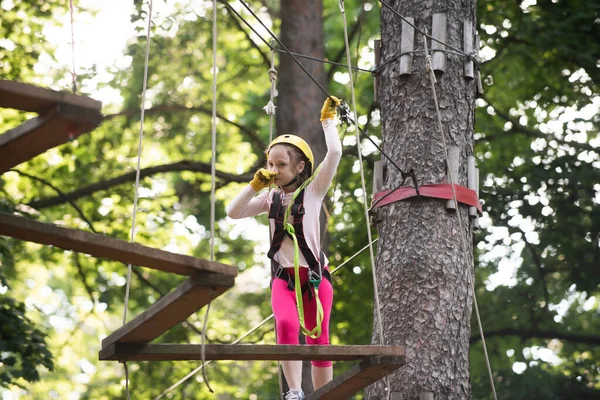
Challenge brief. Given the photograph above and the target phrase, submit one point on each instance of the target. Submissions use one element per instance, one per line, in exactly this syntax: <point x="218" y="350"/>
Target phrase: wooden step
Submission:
<point x="368" y="371"/>
<point x="26" y="97"/>
<point x="62" y="117"/>
<point x="187" y="352"/>
<point x="194" y="293"/>
<point x="101" y="246"/>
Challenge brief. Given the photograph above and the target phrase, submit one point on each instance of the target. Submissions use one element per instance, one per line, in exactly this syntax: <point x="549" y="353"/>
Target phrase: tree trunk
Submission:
<point x="424" y="268"/>
<point x="299" y="102"/>
<point x="300" y="99"/>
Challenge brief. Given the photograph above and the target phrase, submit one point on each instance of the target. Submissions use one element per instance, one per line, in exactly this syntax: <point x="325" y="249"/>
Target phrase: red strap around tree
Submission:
<point x="441" y="191"/>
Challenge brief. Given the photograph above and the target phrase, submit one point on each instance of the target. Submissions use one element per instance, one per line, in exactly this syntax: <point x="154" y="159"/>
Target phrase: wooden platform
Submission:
<point x="187" y="352"/>
<point x="62" y="116"/>
<point x="375" y="362"/>
<point x="193" y="294"/>
<point x="368" y="371"/>
<point x="26" y="97"/>
<point x="106" y="247"/>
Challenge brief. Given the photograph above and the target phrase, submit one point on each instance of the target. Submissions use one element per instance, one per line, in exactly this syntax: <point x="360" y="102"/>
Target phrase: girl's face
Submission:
<point x="287" y="169"/>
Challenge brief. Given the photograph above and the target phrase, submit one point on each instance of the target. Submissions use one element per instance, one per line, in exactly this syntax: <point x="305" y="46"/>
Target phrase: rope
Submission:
<point x="458" y="213"/>
<point x="137" y="176"/>
<point x="73" y="72"/>
<point x="364" y="190"/>
<point x="316" y="331"/>
<point x="270" y="107"/>
<point x="255" y="328"/>
<point x="212" y="189"/>
<point x="309" y="75"/>
<point x="472" y="56"/>
<point x="270" y="110"/>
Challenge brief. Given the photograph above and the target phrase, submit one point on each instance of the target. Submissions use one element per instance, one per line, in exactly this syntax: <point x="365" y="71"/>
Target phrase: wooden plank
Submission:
<point x="471" y="182"/>
<point x="452" y="172"/>
<point x="53" y="128"/>
<point x="25" y="97"/>
<point x="107" y="247"/>
<point x="478" y="83"/>
<point x="189" y="352"/>
<point x="468" y="47"/>
<point x="438" y="31"/>
<point x="194" y="293"/>
<point x="407" y="45"/>
<point x="377" y="48"/>
<point x="358" y="377"/>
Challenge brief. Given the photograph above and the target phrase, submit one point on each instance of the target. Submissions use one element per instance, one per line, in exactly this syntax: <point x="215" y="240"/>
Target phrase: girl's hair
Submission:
<point x="296" y="155"/>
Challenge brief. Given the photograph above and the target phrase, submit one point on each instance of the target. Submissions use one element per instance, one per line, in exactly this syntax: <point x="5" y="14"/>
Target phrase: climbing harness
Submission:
<point x="316" y="266"/>
<point x="295" y="232"/>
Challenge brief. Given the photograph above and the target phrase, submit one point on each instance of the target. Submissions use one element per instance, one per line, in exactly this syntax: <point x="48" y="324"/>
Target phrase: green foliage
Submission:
<point x="23" y="348"/>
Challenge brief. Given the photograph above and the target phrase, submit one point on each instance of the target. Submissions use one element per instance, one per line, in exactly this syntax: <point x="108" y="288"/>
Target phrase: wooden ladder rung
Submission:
<point x="62" y="116"/>
<point x="107" y="247"/>
<point x="358" y="377"/>
<point x="26" y="97"/>
<point x="188" y="352"/>
<point x="171" y="309"/>
<point x="44" y="132"/>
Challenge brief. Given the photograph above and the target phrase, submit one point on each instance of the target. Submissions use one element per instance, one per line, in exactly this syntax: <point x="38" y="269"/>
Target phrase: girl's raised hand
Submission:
<point x="330" y="108"/>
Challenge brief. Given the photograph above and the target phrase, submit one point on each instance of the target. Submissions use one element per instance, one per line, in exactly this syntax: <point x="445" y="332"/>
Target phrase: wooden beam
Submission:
<point x="407" y="46"/>
<point x="188" y="352"/>
<point x="54" y="127"/>
<point x="438" y="31"/>
<point x="358" y="377"/>
<point x="194" y="293"/>
<point x="25" y="97"/>
<point x="107" y="247"/>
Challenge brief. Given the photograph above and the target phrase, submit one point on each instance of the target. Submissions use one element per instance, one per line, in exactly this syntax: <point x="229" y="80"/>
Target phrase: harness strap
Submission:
<point x="295" y="231"/>
<point x="278" y="271"/>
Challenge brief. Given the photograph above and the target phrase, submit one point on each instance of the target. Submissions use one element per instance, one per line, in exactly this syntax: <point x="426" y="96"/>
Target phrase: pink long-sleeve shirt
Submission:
<point x="247" y="204"/>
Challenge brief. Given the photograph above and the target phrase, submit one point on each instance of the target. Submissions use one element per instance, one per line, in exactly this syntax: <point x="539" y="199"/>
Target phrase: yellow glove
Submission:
<point x="330" y="108"/>
<point x="262" y="178"/>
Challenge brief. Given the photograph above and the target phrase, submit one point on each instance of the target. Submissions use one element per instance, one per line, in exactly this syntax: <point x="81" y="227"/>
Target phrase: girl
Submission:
<point x="290" y="164"/>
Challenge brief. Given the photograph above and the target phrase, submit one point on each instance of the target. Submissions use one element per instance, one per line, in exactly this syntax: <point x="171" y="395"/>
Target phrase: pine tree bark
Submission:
<point x="424" y="269"/>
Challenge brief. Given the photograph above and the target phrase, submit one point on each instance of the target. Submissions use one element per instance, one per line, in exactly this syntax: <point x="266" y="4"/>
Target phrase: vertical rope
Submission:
<point x="73" y="71"/>
<point x="364" y="189"/>
<point x="270" y="110"/>
<point x="458" y="213"/>
<point x="213" y="181"/>
<point x="137" y="175"/>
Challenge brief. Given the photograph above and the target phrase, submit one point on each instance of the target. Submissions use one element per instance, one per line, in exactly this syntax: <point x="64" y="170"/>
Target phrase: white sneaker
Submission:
<point x="294" y="394"/>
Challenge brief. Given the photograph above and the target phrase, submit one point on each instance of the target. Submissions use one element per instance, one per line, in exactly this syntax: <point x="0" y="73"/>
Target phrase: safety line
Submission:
<point x="470" y="56"/>
<point x="458" y="214"/>
<point x="73" y="71"/>
<point x="314" y="80"/>
<point x="284" y="47"/>
<point x="137" y="175"/>
<point x="364" y="190"/>
<point x="326" y="61"/>
<point x="213" y="161"/>
<point x="255" y="328"/>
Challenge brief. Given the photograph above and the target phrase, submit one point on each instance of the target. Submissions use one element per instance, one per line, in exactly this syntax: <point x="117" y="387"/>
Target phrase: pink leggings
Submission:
<point x="283" y="302"/>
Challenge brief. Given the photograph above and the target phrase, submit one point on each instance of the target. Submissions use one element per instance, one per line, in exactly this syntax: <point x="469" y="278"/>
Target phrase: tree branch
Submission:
<point x="540" y="334"/>
<point x="265" y="57"/>
<point x="60" y="193"/>
<point x="169" y="108"/>
<point x="130" y="176"/>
